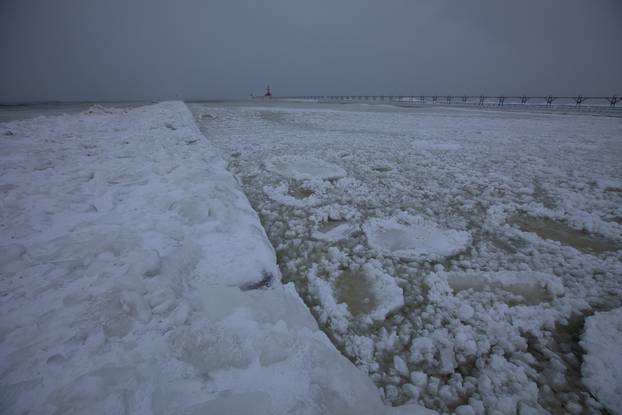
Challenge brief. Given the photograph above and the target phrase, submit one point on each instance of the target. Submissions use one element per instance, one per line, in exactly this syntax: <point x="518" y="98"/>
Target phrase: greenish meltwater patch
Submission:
<point x="300" y="192"/>
<point x="564" y="234"/>
<point x="354" y="289"/>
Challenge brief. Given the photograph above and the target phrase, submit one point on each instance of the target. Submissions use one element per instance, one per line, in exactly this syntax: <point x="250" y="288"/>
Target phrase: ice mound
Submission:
<point x="602" y="362"/>
<point x="413" y="237"/>
<point x="304" y="168"/>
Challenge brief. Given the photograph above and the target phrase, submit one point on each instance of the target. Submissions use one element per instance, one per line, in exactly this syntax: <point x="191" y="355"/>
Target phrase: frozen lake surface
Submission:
<point x="452" y="254"/>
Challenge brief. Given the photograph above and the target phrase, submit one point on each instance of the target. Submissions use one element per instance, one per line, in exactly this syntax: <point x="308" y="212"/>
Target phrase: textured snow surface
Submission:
<point x="502" y="230"/>
<point x="136" y="278"/>
<point x="602" y="364"/>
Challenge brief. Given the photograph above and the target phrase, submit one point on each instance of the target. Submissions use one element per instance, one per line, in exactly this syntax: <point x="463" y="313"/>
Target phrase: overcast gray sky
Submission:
<point x="202" y="49"/>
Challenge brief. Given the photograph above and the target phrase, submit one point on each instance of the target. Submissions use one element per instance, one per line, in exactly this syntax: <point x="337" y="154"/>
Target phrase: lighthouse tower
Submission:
<point x="268" y="94"/>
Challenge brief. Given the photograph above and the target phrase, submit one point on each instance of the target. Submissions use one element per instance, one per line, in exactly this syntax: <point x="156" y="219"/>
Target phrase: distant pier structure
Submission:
<point x="596" y="103"/>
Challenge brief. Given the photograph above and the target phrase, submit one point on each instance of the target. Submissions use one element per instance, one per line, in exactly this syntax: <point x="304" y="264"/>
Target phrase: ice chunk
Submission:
<point x="304" y="168"/>
<point x="389" y="296"/>
<point x="447" y="360"/>
<point x="333" y="313"/>
<point x="341" y="231"/>
<point x="369" y="293"/>
<point x="400" y="365"/>
<point x="422" y="350"/>
<point x="534" y="287"/>
<point x="414" y="238"/>
<point x="465" y="312"/>
<point x="420" y="379"/>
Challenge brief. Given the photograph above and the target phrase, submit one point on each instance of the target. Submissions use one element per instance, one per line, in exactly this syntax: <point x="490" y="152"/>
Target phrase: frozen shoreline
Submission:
<point x="137" y="278"/>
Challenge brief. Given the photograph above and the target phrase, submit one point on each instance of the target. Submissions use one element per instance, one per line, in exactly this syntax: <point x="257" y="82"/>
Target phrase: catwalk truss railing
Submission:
<point x="500" y="100"/>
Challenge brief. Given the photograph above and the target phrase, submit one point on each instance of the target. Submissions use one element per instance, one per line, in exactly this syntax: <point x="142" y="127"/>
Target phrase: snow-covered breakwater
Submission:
<point x="136" y="278"/>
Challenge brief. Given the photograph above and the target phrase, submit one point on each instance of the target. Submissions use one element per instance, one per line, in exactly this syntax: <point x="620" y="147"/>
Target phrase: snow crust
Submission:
<point x="602" y="363"/>
<point x="136" y="278"/>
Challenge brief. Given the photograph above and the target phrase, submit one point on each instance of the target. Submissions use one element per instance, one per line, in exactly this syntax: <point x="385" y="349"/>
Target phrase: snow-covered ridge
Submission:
<point x="136" y="278"/>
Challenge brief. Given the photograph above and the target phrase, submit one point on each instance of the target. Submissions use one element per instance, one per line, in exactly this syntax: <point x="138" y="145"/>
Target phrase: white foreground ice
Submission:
<point x="501" y="229"/>
<point x="136" y="278"/>
<point x="602" y="364"/>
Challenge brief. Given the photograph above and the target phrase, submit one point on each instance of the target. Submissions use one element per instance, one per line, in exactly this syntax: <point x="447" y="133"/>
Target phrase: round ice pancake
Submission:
<point x="416" y="238"/>
<point x="534" y="287"/>
<point x="304" y="168"/>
